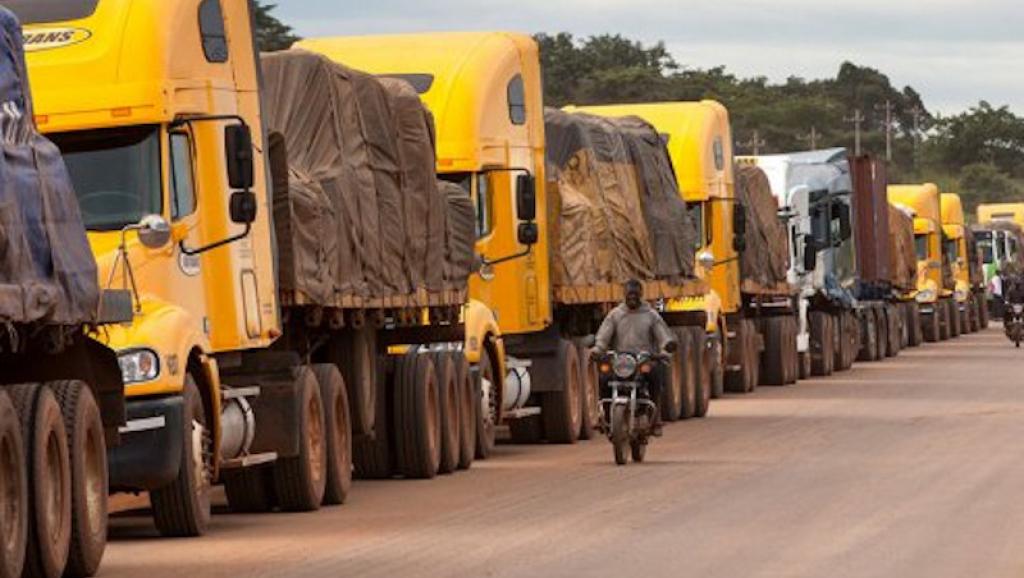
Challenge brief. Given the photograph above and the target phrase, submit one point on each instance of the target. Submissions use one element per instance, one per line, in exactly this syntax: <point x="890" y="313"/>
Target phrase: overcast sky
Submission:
<point x="955" y="52"/>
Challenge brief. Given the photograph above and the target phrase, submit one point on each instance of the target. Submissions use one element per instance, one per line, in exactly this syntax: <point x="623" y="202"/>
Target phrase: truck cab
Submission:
<point x="954" y="231"/>
<point x="155" y="107"/>
<point x="923" y="201"/>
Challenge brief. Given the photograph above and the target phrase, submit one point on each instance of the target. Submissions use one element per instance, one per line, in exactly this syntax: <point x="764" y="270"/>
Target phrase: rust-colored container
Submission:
<point x="871" y="219"/>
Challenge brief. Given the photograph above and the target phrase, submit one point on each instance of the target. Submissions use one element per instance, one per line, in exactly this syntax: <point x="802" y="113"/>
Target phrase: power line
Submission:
<point x="857" y="120"/>
<point x="887" y="107"/>
<point x="755" y="143"/>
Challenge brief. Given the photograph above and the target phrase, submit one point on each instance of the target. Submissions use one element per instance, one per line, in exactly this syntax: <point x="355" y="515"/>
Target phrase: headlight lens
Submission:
<point x="625" y="366"/>
<point x="925" y="295"/>
<point x="1018" y="309"/>
<point x="960" y="295"/>
<point x="138" y="365"/>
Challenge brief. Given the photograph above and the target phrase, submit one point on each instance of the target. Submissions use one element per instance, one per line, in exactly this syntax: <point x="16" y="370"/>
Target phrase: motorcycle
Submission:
<point x="1013" y="322"/>
<point x="629" y="414"/>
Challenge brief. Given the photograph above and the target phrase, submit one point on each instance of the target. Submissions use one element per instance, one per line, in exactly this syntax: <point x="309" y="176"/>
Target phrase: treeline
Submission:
<point x="979" y="152"/>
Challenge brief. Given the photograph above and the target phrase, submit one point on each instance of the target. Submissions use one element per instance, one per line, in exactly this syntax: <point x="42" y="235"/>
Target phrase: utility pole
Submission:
<point x="811" y="137"/>
<point x="755" y="143"/>
<point x="916" y="112"/>
<point x="888" y="128"/>
<point x="857" y="120"/>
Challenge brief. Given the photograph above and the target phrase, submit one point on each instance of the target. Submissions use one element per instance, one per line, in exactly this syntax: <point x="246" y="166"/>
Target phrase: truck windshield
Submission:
<point x="45" y="11"/>
<point x="987" y="255"/>
<point x="116" y="174"/>
<point x="921" y="246"/>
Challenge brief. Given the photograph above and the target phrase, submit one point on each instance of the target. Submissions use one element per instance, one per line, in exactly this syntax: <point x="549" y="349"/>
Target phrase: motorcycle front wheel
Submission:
<point x="619" y="436"/>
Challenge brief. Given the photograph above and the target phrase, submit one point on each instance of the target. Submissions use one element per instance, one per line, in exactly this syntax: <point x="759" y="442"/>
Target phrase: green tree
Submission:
<point x="983" y="134"/>
<point x="271" y="33"/>
<point x="985" y="183"/>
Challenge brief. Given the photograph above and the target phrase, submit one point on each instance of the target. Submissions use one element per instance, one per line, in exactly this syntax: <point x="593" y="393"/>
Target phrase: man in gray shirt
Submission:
<point x="632" y="327"/>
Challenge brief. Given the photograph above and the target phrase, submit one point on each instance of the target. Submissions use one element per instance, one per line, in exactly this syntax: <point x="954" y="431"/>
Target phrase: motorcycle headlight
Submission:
<point x="925" y="295"/>
<point x="138" y="365"/>
<point x="1018" y="309"/>
<point x="625" y="366"/>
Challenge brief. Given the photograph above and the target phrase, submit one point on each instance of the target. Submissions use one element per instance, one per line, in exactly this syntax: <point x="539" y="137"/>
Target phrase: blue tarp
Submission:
<point x="47" y="271"/>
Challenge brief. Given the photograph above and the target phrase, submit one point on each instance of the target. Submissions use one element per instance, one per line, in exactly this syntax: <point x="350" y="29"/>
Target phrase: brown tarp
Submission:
<point x="360" y="212"/>
<point x="460" y="234"/>
<point x="614" y="212"/>
<point x="902" y="255"/>
<point x="765" y="260"/>
<point x="47" y="270"/>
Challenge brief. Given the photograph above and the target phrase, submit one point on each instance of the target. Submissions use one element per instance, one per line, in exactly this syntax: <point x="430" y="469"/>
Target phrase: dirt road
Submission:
<point x="911" y="467"/>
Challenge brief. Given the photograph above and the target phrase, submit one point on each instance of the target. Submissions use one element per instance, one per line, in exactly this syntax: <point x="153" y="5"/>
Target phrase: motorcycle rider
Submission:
<point x="634" y="326"/>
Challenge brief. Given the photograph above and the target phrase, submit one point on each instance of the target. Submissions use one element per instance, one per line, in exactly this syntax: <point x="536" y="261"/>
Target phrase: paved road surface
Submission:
<point x="912" y="467"/>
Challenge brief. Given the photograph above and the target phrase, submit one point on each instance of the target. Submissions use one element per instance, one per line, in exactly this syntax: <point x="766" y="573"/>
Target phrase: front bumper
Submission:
<point x="149" y="455"/>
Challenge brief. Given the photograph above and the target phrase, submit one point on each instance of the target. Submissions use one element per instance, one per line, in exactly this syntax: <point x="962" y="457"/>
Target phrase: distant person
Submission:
<point x="634" y="327"/>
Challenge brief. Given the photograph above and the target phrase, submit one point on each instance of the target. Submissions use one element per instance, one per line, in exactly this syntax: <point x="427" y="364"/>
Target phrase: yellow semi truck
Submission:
<point x="758" y="319"/>
<point x="935" y="304"/>
<point x="156" y="106"/>
<point x="955" y="244"/>
<point x="485" y="94"/>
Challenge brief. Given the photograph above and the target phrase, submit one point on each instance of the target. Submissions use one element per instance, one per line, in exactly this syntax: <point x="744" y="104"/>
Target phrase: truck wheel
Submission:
<point x="372" y="454"/>
<point x="417" y="411"/>
<point x="931" y="325"/>
<point x="49" y="479"/>
<point x="468" y="409"/>
<point x="591" y="396"/>
<point x="182" y="508"/>
<point x="338" y="432"/>
<point x="677" y="400"/>
<point x="869" y="336"/>
<point x="560" y="410"/>
<point x="488" y="405"/>
<point x="717" y="367"/>
<point x="915" y="333"/>
<point x="355" y="354"/>
<point x="945" y="321"/>
<point x="956" y="329"/>
<point x="967" y="317"/>
<point x="753" y="350"/>
<point x="448" y="398"/>
<point x="13" y="491"/>
<point x="794" y="354"/>
<point x="89" y="478"/>
<point x="702" y="372"/>
<point x="250" y="490"/>
<point x="983" y="314"/>
<point x="896" y="338"/>
<point x="847" y="334"/>
<point x="822" y="343"/>
<point x="774" y="357"/>
<point x="882" y="335"/>
<point x="300" y="481"/>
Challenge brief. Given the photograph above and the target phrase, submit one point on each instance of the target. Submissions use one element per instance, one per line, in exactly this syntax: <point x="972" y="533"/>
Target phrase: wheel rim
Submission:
<point x="489" y="403"/>
<point x="57" y="476"/>
<point x="315" y="438"/>
<point x="202" y="459"/>
<point x="10" y="494"/>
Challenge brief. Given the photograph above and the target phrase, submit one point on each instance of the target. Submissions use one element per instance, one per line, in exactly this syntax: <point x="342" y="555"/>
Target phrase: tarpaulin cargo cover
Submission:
<point x="47" y="270"/>
<point x="765" y="260"/>
<point x="360" y="213"/>
<point x="902" y="255"/>
<point x="614" y="204"/>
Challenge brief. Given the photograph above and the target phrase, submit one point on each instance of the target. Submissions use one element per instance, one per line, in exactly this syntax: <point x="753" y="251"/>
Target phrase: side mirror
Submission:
<point x="810" y="253"/>
<point x="243" y="207"/>
<point x="706" y="260"/>
<point x="842" y="213"/>
<point x="154" y="232"/>
<point x="239" y="156"/>
<point x="526" y="197"/>
<point x="528" y="233"/>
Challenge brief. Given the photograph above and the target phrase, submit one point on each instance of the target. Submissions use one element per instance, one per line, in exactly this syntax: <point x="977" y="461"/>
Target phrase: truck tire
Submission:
<point x="847" y="334"/>
<point x="300" y="481"/>
<point x="912" y="318"/>
<point x="488" y="404"/>
<point x="945" y="324"/>
<point x="678" y="399"/>
<point x="794" y="354"/>
<point x="956" y="329"/>
<point x="89" y="478"/>
<point x="355" y="353"/>
<point x="337" y="431"/>
<point x="931" y="324"/>
<point x="882" y="334"/>
<point x="967" y="316"/>
<point x="896" y="337"/>
<point x="448" y="398"/>
<point x="868" y="336"/>
<point x="822" y="343"/>
<point x="702" y="372"/>
<point x="14" y="491"/>
<point x="560" y="410"/>
<point x="775" y="356"/>
<point x="742" y="354"/>
<point x="753" y="349"/>
<point x="372" y="457"/>
<point x="250" y="490"/>
<point x="468" y="409"/>
<point x="590" y="398"/>
<point x="983" y="314"/>
<point x="417" y="411"/>
<point x="49" y="479"/>
<point x="182" y="508"/>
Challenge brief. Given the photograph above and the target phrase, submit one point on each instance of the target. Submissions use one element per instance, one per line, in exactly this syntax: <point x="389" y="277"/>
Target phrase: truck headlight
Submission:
<point x="138" y="365"/>
<point x="960" y="295"/>
<point x="925" y="295"/>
